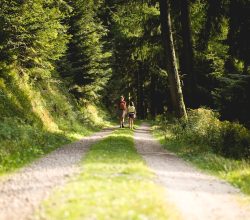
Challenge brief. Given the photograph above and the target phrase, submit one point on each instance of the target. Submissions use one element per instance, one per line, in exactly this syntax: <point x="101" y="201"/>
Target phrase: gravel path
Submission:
<point x="195" y="194"/>
<point x="22" y="192"/>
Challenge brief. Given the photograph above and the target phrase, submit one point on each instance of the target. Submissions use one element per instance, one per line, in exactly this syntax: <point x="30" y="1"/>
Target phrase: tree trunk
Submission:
<point x="171" y="63"/>
<point x="152" y="94"/>
<point x="233" y="25"/>
<point x="245" y="67"/>
<point x="140" y="92"/>
<point x="206" y="30"/>
<point x="187" y="55"/>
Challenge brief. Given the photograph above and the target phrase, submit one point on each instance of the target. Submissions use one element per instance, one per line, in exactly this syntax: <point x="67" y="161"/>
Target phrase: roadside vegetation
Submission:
<point x="61" y="61"/>
<point x="58" y="55"/>
<point x="219" y="147"/>
<point x="115" y="183"/>
<point x="36" y="120"/>
<point x="53" y="68"/>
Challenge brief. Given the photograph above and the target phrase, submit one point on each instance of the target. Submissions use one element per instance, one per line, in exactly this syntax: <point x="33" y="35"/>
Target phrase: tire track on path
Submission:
<point x="22" y="192"/>
<point x="198" y="196"/>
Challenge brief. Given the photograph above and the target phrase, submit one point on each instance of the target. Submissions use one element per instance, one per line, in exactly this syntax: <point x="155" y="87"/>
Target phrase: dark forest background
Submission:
<point x="63" y="63"/>
<point x="102" y="49"/>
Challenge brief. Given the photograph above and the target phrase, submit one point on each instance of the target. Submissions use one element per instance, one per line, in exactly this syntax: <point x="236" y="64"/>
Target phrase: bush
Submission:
<point x="235" y="140"/>
<point x="21" y="143"/>
<point x="37" y="117"/>
<point x="204" y="129"/>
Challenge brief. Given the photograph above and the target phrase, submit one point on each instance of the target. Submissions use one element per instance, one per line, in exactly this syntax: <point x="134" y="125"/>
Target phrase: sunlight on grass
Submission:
<point x="236" y="172"/>
<point x="115" y="184"/>
<point x="36" y="120"/>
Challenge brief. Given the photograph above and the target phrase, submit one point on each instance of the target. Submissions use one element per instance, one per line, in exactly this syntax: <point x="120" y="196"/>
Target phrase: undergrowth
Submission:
<point x="221" y="148"/>
<point x="38" y="116"/>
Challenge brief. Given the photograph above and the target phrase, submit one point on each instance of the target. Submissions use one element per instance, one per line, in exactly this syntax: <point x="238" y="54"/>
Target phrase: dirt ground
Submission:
<point x="195" y="194"/>
<point x="22" y="192"/>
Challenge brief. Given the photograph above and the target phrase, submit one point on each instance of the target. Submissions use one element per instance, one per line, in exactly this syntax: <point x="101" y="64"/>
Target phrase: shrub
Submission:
<point x="235" y="140"/>
<point x="21" y="143"/>
<point x="204" y="129"/>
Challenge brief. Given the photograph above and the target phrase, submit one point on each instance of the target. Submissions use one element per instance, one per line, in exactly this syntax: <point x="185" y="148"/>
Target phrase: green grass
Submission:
<point x="22" y="143"/>
<point x="115" y="183"/>
<point x="38" y="117"/>
<point x="236" y="172"/>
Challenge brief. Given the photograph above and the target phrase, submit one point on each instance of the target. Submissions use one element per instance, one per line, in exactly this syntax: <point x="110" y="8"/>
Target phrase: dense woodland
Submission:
<point x="61" y="57"/>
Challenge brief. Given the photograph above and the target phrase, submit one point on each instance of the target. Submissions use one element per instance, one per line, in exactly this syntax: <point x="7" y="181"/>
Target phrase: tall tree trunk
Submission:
<point x="207" y="28"/>
<point x="140" y="92"/>
<point x="171" y="63"/>
<point x="152" y="94"/>
<point x="245" y="67"/>
<point x="233" y="25"/>
<point x="187" y="63"/>
<point x="214" y="14"/>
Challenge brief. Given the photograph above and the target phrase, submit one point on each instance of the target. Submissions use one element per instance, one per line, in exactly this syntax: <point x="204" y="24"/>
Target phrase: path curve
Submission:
<point x="195" y="194"/>
<point x="22" y="192"/>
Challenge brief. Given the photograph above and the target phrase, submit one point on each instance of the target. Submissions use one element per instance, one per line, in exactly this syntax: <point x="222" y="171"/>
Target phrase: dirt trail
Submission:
<point x="195" y="194"/>
<point x="22" y="192"/>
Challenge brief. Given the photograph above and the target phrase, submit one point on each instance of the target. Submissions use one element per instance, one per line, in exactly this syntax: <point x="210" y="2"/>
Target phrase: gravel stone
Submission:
<point x="198" y="196"/>
<point x="22" y="192"/>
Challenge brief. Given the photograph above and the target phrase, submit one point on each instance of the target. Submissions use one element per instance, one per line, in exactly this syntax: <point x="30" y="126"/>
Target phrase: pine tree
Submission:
<point x="86" y="63"/>
<point x="33" y="37"/>
<point x="171" y="63"/>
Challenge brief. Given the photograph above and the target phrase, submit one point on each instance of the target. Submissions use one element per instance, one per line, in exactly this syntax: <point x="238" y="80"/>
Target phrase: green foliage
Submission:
<point x="204" y="130"/>
<point x="138" y="13"/>
<point x="33" y="36"/>
<point x="36" y="120"/>
<point x="239" y="31"/>
<point x="22" y="143"/>
<point x="236" y="140"/>
<point x="197" y="19"/>
<point x="115" y="184"/>
<point x="232" y="97"/>
<point x="210" y="144"/>
<point x="86" y="63"/>
<point x="98" y="50"/>
<point x="135" y="33"/>
<point x="219" y="33"/>
<point x="37" y="113"/>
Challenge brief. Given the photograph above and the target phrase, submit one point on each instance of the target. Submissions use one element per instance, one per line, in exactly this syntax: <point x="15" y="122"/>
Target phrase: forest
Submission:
<point x="64" y="64"/>
<point x="60" y="59"/>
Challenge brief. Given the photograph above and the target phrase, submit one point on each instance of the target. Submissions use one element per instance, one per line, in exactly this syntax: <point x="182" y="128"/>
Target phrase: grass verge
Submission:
<point x="23" y="143"/>
<point x="236" y="172"/>
<point x="38" y="117"/>
<point x="115" y="184"/>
